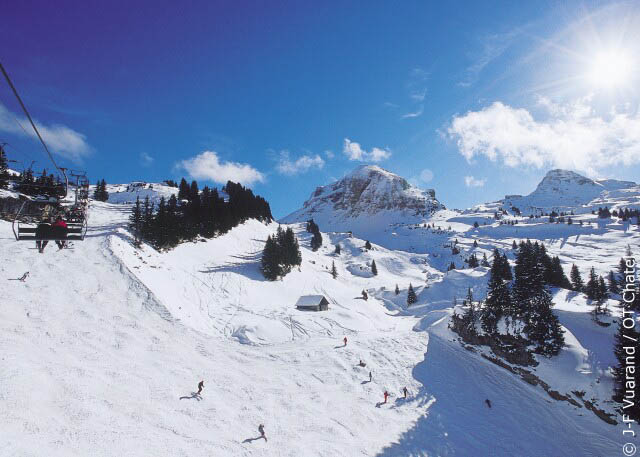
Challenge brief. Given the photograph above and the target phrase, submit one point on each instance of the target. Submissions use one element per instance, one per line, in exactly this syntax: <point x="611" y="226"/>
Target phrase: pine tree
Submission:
<point x="576" y="279"/>
<point x="603" y="292"/>
<point x="397" y="290"/>
<point x="470" y="317"/>
<point x="473" y="261"/>
<point x="338" y="250"/>
<point x="135" y="223"/>
<point x="484" y="262"/>
<point x="269" y="264"/>
<point x="514" y="246"/>
<point x="547" y="264"/>
<point x="528" y="277"/>
<point x="622" y="266"/>
<point x="160" y="236"/>
<point x="452" y="266"/>
<point x="507" y="275"/>
<point x="174" y="226"/>
<point x="543" y="328"/>
<point x="498" y="301"/>
<point x="601" y="297"/>
<point x="411" y="296"/>
<point x="557" y="278"/>
<point x="291" y="249"/>
<point x="316" y="241"/>
<point x="104" y="193"/>
<point x="367" y="245"/>
<point x="193" y="191"/>
<point x="183" y="190"/>
<point x="592" y="288"/>
<point x="100" y="193"/>
<point x="334" y="272"/>
<point x="4" y="165"/>
<point x="97" y="193"/>
<point x="374" y="268"/>
<point x="147" y="220"/>
<point x="613" y="284"/>
<point x="280" y="244"/>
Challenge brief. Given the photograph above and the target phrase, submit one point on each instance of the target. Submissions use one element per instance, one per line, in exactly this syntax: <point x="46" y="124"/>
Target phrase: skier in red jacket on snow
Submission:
<point x="345" y="340"/>
<point x="386" y="395"/>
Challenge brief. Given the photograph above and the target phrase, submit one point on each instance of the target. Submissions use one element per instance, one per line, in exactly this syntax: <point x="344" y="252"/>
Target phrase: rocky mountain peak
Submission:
<point x="368" y="190"/>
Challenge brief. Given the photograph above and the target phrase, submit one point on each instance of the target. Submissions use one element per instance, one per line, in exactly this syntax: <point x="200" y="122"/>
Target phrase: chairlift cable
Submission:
<point x="24" y="108"/>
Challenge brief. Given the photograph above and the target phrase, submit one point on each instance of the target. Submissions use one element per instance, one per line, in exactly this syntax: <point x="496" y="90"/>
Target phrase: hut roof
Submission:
<point x="309" y="300"/>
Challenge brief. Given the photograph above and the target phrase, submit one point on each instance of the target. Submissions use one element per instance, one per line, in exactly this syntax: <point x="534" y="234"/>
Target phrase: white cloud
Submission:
<point x="419" y="95"/>
<point x="329" y="153"/>
<point x="354" y="152"/>
<point x="302" y="164"/>
<point x="146" y="160"/>
<point x="493" y="46"/>
<point x="470" y="181"/>
<point x="60" y="139"/>
<point x="414" y="114"/>
<point x="207" y="165"/>
<point x="426" y="175"/>
<point x="572" y="136"/>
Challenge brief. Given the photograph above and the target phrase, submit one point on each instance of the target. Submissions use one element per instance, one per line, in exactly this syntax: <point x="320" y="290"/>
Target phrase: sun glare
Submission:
<point x="610" y="69"/>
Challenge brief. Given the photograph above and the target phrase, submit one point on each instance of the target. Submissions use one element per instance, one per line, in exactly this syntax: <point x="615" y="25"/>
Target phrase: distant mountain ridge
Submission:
<point x="568" y="189"/>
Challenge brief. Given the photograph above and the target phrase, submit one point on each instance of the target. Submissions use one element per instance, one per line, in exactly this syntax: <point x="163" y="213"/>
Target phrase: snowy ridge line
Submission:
<point x="150" y="302"/>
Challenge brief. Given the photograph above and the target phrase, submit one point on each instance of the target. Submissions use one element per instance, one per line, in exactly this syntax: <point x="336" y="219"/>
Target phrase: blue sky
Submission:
<point x="474" y="99"/>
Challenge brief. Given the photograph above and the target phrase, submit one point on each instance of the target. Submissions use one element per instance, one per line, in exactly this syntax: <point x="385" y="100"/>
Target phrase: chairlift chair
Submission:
<point x="24" y="225"/>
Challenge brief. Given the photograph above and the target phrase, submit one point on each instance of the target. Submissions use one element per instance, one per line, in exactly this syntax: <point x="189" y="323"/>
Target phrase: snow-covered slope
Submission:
<point x="103" y="345"/>
<point x="102" y="341"/>
<point x="127" y="193"/>
<point x="366" y="202"/>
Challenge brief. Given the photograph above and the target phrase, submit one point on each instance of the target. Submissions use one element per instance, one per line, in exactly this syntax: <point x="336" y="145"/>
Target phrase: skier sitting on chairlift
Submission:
<point x="59" y="231"/>
<point x="43" y="231"/>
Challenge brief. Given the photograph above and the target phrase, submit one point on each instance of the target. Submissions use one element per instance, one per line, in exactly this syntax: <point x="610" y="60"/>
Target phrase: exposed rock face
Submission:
<point x="367" y="191"/>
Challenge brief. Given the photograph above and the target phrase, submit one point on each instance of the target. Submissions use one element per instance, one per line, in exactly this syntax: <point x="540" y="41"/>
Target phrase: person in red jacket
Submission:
<point x="386" y="395"/>
<point x="59" y="230"/>
<point x="345" y="340"/>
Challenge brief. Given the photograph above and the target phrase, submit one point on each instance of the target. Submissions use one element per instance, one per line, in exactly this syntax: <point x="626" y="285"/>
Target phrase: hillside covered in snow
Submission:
<point x="103" y="344"/>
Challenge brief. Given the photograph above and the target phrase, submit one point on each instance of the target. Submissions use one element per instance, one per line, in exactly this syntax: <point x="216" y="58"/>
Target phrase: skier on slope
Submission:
<point x="488" y="402"/>
<point x="404" y="391"/>
<point x="345" y="340"/>
<point x="261" y="430"/>
<point x="200" y="386"/>
<point x="370" y="377"/>
<point x="386" y="395"/>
